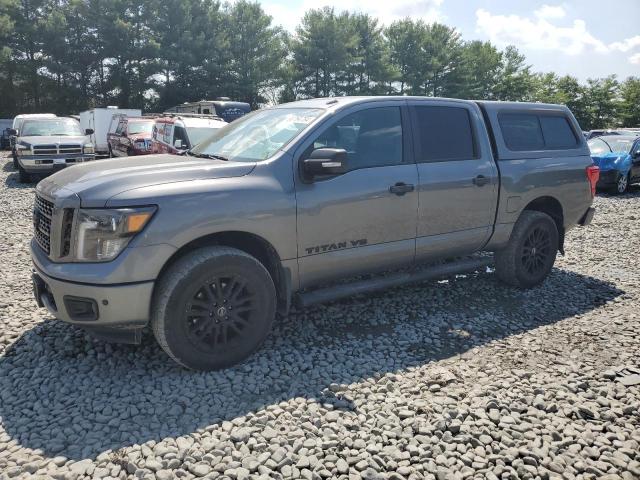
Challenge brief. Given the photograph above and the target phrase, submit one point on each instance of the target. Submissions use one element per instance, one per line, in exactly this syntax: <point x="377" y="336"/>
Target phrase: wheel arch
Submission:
<point x="552" y="207"/>
<point x="252" y="244"/>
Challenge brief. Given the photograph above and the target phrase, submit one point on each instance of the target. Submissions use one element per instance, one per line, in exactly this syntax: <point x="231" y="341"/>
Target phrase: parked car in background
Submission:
<point x="277" y="205"/>
<point x="17" y="125"/>
<point x="46" y="145"/>
<point x="618" y="157"/>
<point x="99" y="120"/>
<point x="599" y="133"/>
<point x="5" y="138"/>
<point x="131" y="136"/>
<point x="5" y="125"/>
<point x="178" y="133"/>
<point x="221" y="107"/>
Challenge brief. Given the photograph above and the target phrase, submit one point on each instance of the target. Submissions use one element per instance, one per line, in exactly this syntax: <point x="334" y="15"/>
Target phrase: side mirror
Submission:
<point x="89" y="131"/>
<point x="636" y="154"/>
<point x="177" y="144"/>
<point x="13" y="131"/>
<point x="325" y="161"/>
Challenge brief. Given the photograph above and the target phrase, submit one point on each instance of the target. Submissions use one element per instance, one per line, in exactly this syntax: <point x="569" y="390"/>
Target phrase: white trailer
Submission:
<point x="99" y="120"/>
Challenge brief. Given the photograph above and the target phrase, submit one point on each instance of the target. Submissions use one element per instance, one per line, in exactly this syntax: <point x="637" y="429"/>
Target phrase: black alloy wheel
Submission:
<point x="220" y="311"/>
<point x="536" y="250"/>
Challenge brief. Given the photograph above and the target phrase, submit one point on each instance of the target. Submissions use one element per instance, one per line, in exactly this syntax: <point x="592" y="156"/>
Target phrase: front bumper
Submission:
<point x="121" y="306"/>
<point x="608" y="178"/>
<point x="51" y="163"/>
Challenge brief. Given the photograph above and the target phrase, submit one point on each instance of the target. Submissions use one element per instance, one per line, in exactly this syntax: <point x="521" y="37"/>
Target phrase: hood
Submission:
<point x="52" y="140"/>
<point x="612" y="161"/>
<point x="97" y="181"/>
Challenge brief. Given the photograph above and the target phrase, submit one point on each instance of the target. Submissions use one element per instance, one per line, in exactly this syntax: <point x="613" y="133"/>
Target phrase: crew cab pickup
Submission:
<point x="207" y="247"/>
<point x="132" y="136"/>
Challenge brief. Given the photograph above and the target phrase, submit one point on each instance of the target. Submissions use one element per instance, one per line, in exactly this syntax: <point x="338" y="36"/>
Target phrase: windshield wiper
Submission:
<point x="211" y="156"/>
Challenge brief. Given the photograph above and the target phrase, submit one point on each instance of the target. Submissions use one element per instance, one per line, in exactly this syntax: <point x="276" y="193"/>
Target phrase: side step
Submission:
<point x="336" y="292"/>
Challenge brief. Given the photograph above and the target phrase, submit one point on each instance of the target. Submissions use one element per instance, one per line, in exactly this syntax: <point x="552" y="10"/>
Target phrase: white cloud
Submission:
<point x="385" y="10"/>
<point x="540" y="33"/>
<point x="550" y="11"/>
<point x="627" y="44"/>
<point x="635" y="59"/>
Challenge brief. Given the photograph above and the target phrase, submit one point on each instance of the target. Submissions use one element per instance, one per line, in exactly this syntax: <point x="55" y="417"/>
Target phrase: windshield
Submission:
<point x="40" y="128"/>
<point x="140" y="127"/>
<point x="198" y="134"/>
<point x="259" y="135"/>
<point x="600" y="145"/>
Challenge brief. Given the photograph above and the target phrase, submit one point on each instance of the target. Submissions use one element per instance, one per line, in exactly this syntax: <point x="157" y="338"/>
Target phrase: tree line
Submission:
<point x="64" y="56"/>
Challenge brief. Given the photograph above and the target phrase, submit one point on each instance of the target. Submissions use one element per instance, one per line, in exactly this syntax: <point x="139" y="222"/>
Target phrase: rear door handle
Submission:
<point x="401" y="188"/>
<point x="480" y="180"/>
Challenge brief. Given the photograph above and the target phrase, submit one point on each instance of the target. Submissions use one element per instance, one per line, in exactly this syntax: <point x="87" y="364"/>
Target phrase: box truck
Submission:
<point x="99" y="120"/>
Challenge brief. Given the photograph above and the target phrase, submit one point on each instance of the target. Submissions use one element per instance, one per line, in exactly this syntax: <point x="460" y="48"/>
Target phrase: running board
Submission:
<point x="337" y="292"/>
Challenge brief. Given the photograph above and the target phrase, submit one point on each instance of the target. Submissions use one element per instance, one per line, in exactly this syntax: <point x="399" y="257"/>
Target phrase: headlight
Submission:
<point x="88" y="148"/>
<point x="102" y="234"/>
<point x="23" y="150"/>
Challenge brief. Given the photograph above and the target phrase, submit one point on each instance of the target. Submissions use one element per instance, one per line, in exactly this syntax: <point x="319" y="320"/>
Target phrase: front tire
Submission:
<point x="531" y="252"/>
<point x="23" y="175"/>
<point x="213" y="308"/>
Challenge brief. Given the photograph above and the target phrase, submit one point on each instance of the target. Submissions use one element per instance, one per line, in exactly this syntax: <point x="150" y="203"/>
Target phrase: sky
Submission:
<point x="586" y="39"/>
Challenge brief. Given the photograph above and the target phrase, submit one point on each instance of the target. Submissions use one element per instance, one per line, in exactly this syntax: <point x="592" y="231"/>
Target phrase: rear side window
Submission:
<point x="444" y="133"/>
<point x="557" y="132"/>
<point x="529" y="131"/>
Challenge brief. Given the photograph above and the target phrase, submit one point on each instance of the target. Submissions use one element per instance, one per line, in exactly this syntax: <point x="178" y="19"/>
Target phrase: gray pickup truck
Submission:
<point x="275" y="207"/>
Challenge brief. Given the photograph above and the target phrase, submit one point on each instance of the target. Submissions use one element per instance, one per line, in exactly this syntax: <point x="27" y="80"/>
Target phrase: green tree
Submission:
<point x="256" y="51"/>
<point x="630" y="104"/>
<point x="603" y="103"/>
<point x="406" y="38"/>
<point x="479" y="70"/>
<point x="515" y="80"/>
<point x="323" y="50"/>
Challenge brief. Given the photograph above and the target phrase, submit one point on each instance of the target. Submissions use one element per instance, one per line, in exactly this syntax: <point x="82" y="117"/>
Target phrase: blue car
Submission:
<point x="618" y="157"/>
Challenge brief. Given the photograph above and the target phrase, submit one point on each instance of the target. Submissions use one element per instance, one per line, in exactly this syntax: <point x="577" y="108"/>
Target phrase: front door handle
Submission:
<point x="480" y="180"/>
<point x="401" y="188"/>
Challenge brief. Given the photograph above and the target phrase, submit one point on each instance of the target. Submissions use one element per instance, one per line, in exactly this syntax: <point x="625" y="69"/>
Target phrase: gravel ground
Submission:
<point x="463" y="378"/>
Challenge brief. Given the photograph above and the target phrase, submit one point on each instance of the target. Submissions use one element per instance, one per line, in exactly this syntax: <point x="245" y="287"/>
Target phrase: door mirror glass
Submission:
<point x="325" y="161"/>
<point x="13" y="131"/>
<point x="177" y="143"/>
<point x="88" y="131"/>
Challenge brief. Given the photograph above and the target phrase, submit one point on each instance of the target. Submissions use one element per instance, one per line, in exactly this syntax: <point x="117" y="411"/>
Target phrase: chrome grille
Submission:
<point x="45" y="149"/>
<point x="42" y="215"/>
<point x="65" y="149"/>
<point x="70" y="149"/>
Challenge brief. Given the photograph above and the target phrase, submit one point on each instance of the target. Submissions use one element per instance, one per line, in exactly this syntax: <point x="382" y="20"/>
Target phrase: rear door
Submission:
<point x="458" y="179"/>
<point x="635" y="161"/>
<point x="365" y="219"/>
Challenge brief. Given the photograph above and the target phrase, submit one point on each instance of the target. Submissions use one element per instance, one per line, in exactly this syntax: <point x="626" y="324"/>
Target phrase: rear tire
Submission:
<point x="531" y="252"/>
<point x="213" y="308"/>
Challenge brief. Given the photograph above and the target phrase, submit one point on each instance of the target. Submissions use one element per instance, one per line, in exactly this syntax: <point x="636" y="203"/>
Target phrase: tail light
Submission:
<point x="593" y="174"/>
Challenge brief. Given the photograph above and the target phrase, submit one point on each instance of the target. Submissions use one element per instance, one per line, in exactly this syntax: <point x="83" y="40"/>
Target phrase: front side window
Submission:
<point x="372" y="137"/>
<point x="257" y="136"/>
<point x="444" y="133"/>
<point x="57" y="127"/>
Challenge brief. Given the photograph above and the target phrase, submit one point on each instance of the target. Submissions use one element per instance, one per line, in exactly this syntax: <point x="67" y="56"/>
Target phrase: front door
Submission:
<point x="365" y="219"/>
<point x="458" y="187"/>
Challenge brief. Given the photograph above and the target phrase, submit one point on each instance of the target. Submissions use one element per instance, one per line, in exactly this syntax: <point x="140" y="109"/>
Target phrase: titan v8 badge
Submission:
<point x="336" y="246"/>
